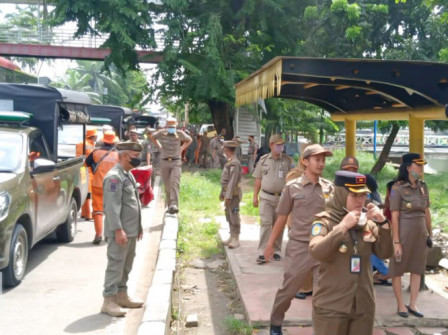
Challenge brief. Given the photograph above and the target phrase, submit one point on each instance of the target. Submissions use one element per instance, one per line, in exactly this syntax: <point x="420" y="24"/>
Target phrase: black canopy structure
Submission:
<point x="356" y="89"/>
<point x="116" y="114"/>
<point x="51" y="107"/>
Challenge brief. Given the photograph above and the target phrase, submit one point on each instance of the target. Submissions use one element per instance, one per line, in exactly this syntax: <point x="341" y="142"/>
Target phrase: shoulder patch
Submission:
<point x="316" y="228"/>
<point x="113" y="186"/>
<point x="263" y="158"/>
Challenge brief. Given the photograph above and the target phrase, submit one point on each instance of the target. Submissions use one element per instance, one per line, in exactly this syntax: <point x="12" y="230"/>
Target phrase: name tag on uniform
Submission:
<point x="280" y="174"/>
<point x="300" y="196"/>
<point x="355" y="264"/>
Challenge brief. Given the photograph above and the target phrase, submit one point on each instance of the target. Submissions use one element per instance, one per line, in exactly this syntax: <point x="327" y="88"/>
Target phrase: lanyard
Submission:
<point x="354" y="236"/>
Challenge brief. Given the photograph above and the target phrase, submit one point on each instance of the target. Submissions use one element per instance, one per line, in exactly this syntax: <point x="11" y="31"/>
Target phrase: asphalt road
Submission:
<point x="62" y="289"/>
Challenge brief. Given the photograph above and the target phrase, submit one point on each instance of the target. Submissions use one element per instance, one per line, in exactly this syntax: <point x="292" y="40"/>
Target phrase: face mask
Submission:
<point x="135" y="162"/>
<point x="415" y="175"/>
<point x="279" y="148"/>
<point x="171" y="130"/>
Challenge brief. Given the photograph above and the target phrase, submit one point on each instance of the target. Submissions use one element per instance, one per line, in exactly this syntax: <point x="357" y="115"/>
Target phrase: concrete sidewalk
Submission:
<point x="258" y="284"/>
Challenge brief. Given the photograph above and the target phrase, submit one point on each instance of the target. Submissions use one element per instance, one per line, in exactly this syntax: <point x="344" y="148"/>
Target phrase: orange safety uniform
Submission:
<point x="90" y="146"/>
<point x="102" y="169"/>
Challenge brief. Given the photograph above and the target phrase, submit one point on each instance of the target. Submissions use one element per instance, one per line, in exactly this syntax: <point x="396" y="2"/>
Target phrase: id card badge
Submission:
<point x="280" y="174"/>
<point x="355" y="264"/>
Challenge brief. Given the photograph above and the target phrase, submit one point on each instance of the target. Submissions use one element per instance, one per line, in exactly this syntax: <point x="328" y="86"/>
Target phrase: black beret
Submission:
<point x="354" y="182"/>
<point x="413" y="158"/>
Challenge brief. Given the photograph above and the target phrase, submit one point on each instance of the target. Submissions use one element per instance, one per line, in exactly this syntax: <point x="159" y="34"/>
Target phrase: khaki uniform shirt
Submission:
<point x="121" y="203"/>
<point x="170" y="143"/>
<point x="303" y="199"/>
<point x="338" y="289"/>
<point x="216" y="144"/>
<point x="411" y="202"/>
<point x="272" y="173"/>
<point x="231" y="178"/>
<point x="205" y="143"/>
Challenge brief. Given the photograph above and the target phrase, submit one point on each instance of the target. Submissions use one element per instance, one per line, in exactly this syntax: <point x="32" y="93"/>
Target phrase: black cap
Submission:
<point x="413" y="158"/>
<point x="352" y="181"/>
<point x="132" y="146"/>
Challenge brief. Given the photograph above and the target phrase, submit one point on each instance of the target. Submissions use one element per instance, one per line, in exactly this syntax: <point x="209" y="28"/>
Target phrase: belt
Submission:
<point x="170" y="159"/>
<point x="274" y="194"/>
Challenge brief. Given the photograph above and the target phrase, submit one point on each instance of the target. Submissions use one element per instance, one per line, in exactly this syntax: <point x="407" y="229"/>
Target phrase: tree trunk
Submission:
<point x="386" y="149"/>
<point x="221" y="117"/>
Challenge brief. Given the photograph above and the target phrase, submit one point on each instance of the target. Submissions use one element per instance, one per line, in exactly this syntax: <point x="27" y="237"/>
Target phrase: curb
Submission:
<point x="157" y="314"/>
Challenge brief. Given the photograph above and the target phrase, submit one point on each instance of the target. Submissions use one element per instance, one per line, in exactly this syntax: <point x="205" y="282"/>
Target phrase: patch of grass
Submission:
<point x="237" y="327"/>
<point x="246" y="206"/>
<point x="199" y="198"/>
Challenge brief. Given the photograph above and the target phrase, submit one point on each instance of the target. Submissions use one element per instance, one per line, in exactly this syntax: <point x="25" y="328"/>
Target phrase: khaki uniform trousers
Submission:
<point x="203" y="159"/>
<point x="251" y="164"/>
<point x="171" y="171"/>
<point x="298" y="263"/>
<point x="119" y="265"/>
<point x="331" y="322"/>
<point x="268" y="218"/>
<point x="233" y="215"/>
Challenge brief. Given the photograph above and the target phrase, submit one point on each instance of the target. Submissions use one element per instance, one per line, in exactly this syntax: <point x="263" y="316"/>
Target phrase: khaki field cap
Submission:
<point x="171" y="122"/>
<point x="230" y="144"/>
<point x="349" y="162"/>
<point x="132" y="146"/>
<point x="354" y="182"/>
<point x="315" y="149"/>
<point x="277" y="139"/>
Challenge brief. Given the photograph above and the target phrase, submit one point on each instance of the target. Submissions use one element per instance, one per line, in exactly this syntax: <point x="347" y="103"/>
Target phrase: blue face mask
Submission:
<point x="171" y="130"/>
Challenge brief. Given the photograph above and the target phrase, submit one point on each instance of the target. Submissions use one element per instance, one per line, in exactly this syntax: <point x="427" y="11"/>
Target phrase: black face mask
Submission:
<point x="135" y="162"/>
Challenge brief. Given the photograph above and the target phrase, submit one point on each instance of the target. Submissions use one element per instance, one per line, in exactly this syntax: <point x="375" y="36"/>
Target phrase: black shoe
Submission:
<point x="415" y="313"/>
<point x="276" y="330"/>
<point x="261" y="260"/>
<point x="97" y="240"/>
<point x="303" y="295"/>
<point x="277" y="257"/>
<point x="402" y="314"/>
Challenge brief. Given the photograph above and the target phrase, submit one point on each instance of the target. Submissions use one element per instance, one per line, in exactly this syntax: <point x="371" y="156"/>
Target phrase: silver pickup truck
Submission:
<point x="39" y="192"/>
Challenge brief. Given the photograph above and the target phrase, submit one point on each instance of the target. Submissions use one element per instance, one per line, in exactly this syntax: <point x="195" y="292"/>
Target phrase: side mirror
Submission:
<point x="41" y="165"/>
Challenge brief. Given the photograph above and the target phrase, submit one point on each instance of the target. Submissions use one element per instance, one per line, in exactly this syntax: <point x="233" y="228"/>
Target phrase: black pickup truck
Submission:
<point x="39" y="191"/>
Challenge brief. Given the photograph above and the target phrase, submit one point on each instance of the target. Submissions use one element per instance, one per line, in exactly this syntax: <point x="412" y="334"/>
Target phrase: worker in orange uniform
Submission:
<point x="89" y="144"/>
<point x="101" y="160"/>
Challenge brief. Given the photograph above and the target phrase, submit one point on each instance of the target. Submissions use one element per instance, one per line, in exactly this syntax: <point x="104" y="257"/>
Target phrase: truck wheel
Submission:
<point x="66" y="232"/>
<point x="18" y="257"/>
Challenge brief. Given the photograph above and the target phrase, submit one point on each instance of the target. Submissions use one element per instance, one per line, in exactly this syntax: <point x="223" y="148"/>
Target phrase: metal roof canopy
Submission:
<point x="356" y="89"/>
<point x="346" y="87"/>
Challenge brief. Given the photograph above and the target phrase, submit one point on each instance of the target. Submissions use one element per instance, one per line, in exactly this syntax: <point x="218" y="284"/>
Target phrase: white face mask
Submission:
<point x="415" y="175"/>
<point x="171" y="130"/>
<point x="279" y="148"/>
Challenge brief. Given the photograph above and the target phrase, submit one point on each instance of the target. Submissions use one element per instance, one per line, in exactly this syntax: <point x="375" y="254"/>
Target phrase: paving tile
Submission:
<point x="432" y="331"/>
<point x="400" y="331"/>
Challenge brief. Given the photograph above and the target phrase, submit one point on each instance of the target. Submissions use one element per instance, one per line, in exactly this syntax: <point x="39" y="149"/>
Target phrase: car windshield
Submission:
<point x="70" y="134"/>
<point x="10" y="151"/>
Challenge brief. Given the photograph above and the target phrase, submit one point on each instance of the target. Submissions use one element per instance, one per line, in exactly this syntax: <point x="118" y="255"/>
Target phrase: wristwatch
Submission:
<point x="383" y="222"/>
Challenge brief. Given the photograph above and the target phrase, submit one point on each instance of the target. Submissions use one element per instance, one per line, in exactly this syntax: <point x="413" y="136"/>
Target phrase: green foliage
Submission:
<point x="198" y="231"/>
<point x="106" y="88"/>
<point x="237" y="327"/>
<point x="128" y="23"/>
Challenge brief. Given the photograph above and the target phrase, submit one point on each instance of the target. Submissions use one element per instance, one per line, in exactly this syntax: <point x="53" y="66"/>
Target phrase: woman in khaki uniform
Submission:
<point x="411" y="225"/>
<point x="343" y="239"/>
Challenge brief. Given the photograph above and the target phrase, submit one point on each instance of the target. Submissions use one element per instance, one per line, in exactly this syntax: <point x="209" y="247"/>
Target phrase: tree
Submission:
<point x="128" y="24"/>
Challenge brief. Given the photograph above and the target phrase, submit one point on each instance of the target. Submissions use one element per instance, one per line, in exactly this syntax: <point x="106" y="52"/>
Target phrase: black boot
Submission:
<point x="276" y="330"/>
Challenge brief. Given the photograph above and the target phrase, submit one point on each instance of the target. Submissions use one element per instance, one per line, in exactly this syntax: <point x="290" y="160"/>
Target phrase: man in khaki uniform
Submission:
<point x="252" y="153"/>
<point x="302" y="198"/>
<point x="122" y="228"/>
<point x="231" y="193"/>
<point x="217" y="148"/>
<point x="169" y="142"/>
<point x="270" y="174"/>
<point x="204" y="151"/>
